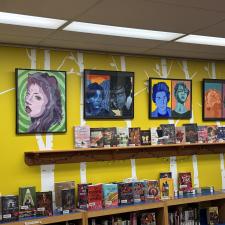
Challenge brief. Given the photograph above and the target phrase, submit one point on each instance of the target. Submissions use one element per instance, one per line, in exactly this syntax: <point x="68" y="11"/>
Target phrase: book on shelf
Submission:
<point x="180" y="135"/>
<point x="147" y="218"/>
<point x="212" y="215"/>
<point x="59" y="186"/>
<point x="109" y="137"/>
<point x="155" y="139"/>
<point x="82" y="136"/>
<point x="212" y="134"/>
<point x="95" y="196"/>
<point x="202" y="134"/>
<point x="125" y="192"/>
<point x="44" y="203"/>
<point x="145" y="136"/>
<point x="82" y="196"/>
<point x="10" y="208"/>
<point x="68" y="200"/>
<point x="96" y="137"/>
<point x="110" y="195"/>
<point x="152" y="189"/>
<point x="169" y="135"/>
<point x="139" y="191"/>
<point x="27" y="201"/>
<point x="122" y="136"/>
<point x="191" y="132"/>
<point x="221" y="133"/>
<point x="185" y="182"/>
<point x="166" y="188"/>
<point x="134" y="136"/>
<point x="165" y="175"/>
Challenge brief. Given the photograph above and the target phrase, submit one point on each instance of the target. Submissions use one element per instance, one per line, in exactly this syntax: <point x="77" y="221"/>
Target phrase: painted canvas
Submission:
<point x="108" y="94"/>
<point x="213" y="99"/>
<point x="170" y="98"/>
<point x="40" y="101"/>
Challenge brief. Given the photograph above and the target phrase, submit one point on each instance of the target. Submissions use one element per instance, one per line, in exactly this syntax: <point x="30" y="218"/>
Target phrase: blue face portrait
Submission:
<point x="96" y="100"/>
<point x="161" y="102"/>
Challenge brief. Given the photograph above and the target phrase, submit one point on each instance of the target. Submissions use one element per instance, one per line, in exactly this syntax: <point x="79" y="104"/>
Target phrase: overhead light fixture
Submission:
<point x="121" y="31"/>
<point x="202" y="40"/>
<point x="30" y="21"/>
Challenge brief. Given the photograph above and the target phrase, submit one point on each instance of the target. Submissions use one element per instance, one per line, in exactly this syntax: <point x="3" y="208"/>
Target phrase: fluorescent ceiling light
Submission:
<point x="202" y="40"/>
<point x="121" y="31"/>
<point x="30" y="21"/>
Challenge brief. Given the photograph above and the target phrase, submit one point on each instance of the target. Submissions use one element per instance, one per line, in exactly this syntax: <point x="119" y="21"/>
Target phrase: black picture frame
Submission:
<point x="40" y="101"/>
<point x="213" y="100"/>
<point x="168" y="90"/>
<point x="108" y="94"/>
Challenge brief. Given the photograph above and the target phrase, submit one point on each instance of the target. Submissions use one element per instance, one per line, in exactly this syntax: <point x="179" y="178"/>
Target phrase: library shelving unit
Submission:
<point x="119" y="153"/>
<point x="160" y="207"/>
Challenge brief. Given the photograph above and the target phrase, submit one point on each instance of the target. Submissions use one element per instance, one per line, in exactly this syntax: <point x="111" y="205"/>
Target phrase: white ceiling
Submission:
<point x="204" y="17"/>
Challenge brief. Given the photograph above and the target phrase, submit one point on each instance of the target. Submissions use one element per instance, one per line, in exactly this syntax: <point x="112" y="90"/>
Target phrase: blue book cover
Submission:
<point x="110" y="195"/>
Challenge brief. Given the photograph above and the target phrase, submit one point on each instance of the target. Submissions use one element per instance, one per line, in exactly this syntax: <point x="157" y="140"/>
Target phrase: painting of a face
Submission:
<point x="96" y="100"/>
<point x="119" y="97"/>
<point x="181" y="94"/>
<point x="35" y="101"/>
<point x="161" y="101"/>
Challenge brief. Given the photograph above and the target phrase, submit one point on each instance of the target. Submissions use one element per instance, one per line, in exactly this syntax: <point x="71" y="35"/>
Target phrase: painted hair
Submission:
<point x="118" y="83"/>
<point x="159" y="87"/>
<point x="53" y="112"/>
<point x="182" y="84"/>
<point x="92" y="88"/>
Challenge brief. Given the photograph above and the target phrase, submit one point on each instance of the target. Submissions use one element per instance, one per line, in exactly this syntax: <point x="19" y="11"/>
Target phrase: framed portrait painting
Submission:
<point x="108" y="94"/>
<point x="213" y="100"/>
<point x="40" y="101"/>
<point x="170" y="98"/>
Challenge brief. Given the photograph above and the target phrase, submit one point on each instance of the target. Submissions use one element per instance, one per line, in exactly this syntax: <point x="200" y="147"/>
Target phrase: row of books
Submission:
<point x="142" y="218"/>
<point x="86" y="137"/>
<point x="191" y="215"/>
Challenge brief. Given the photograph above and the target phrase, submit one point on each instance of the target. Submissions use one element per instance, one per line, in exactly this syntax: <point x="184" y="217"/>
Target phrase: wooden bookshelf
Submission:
<point x="119" y="153"/>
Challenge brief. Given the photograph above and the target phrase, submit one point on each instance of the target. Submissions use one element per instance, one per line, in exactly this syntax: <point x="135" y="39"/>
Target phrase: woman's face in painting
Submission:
<point x="35" y="101"/>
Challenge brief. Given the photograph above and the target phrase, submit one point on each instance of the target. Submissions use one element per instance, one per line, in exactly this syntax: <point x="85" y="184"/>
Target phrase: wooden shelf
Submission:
<point x="51" y="219"/>
<point x="120" y="153"/>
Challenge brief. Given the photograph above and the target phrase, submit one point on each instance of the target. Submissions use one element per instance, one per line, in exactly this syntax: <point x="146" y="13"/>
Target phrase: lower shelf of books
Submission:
<point x="185" y="210"/>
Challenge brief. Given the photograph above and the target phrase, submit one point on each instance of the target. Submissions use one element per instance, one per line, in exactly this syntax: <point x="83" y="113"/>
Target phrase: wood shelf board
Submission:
<point x="195" y="199"/>
<point x="50" y="219"/>
<point x="120" y="153"/>
<point x="125" y="209"/>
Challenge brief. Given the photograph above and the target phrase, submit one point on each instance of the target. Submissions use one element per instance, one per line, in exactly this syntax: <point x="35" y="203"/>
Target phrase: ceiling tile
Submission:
<point x="19" y="40"/>
<point x="151" y="15"/>
<point x="67" y="9"/>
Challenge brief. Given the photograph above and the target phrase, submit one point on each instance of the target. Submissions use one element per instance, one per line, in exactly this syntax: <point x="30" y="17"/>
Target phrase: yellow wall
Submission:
<point x="13" y="171"/>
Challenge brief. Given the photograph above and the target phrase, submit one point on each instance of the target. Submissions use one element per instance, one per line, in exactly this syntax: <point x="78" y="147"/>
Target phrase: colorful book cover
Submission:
<point x="82" y="196"/>
<point x="145" y="137"/>
<point x="134" y="136"/>
<point x="10" y="208"/>
<point x="82" y="136"/>
<point x="110" y="195"/>
<point x="44" y="203"/>
<point x="27" y="201"/>
<point x="109" y="137"/>
<point x="221" y="134"/>
<point x="154" y="136"/>
<point x="168" y="131"/>
<point x="191" y="132"/>
<point x="166" y="188"/>
<point x="139" y="191"/>
<point x="212" y="136"/>
<point x="95" y="194"/>
<point x="185" y="182"/>
<point x="125" y="192"/>
<point x="96" y="136"/>
<point x="180" y="135"/>
<point x="165" y="175"/>
<point x="152" y="189"/>
<point x="59" y="186"/>
<point x="213" y="215"/>
<point x="202" y="134"/>
<point x="68" y="200"/>
<point x="147" y="218"/>
<point x="122" y="136"/>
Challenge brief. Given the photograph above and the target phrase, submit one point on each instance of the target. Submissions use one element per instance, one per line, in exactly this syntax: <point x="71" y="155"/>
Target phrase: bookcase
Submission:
<point x="160" y="207"/>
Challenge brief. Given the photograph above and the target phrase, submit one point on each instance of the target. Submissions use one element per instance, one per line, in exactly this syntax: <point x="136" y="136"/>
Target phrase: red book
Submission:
<point x="185" y="182"/>
<point x="95" y="198"/>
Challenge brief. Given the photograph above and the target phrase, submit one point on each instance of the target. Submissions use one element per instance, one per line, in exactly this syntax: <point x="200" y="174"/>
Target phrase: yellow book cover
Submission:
<point x="166" y="188"/>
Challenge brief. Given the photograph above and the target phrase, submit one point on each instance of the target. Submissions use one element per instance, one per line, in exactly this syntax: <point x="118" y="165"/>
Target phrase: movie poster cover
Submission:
<point x="10" y="208"/>
<point x="44" y="203"/>
<point x="134" y="136"/>
<point x="191" y="132"/>
<point x="180" y="135"/>
<point x="168" y="131"/>
<point x="202" y="134"/>
<point x="185" y="182"/>
<point x="145" y="137"/>
<point x="212" y="134"/>
<point x="109" y="137"/>
<point x="68" y="200"/>
<point x="96" y="136"/>
<point x="82" y="136"/>
<point x="108" y="94"/>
